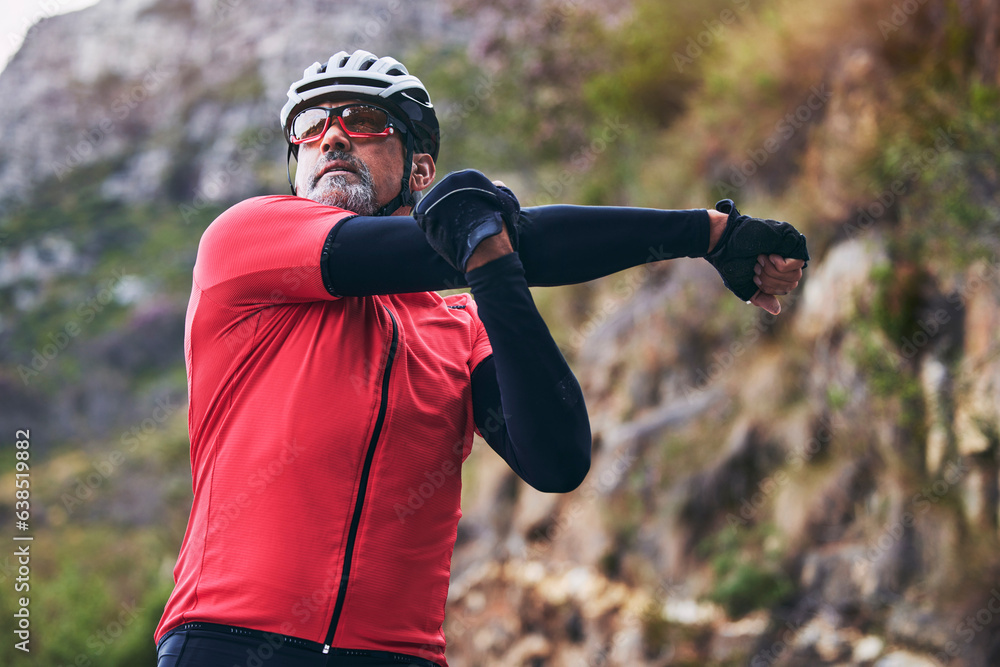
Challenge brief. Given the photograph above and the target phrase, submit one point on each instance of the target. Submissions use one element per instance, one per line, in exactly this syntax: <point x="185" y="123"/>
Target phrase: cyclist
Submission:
<point x="333" y="394"/>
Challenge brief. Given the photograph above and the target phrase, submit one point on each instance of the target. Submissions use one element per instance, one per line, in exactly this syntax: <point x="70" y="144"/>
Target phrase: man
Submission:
<point x="333" y="394"/>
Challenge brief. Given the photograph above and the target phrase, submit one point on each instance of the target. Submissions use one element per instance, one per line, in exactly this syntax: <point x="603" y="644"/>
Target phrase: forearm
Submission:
<point x="562" y="245"/>
<point x="531" y="411"/>
<point x="559" y="245"/>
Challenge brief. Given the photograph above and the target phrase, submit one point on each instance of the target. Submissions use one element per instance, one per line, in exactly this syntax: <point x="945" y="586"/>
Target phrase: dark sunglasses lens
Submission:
<point x="365" y="120"/>
<point x="308" y="124"/>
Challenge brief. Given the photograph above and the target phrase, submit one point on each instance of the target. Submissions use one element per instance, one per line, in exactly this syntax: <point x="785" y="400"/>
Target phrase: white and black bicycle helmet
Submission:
<point x="364" y="76"/>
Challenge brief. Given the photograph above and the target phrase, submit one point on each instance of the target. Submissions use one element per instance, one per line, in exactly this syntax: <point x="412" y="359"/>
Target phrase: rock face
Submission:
<point x="177" y="89"/>
<point x="757" y="495"/>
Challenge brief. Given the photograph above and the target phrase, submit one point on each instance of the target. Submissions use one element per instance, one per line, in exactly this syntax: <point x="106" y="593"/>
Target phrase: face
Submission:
<point x="359" y="174"/>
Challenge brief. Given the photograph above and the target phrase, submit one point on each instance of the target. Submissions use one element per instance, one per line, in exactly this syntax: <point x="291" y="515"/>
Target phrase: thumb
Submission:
<point x="768" y="302"/>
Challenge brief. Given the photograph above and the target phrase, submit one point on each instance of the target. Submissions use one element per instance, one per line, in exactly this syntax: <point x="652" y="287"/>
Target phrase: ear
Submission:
<point x="422" y="172"/>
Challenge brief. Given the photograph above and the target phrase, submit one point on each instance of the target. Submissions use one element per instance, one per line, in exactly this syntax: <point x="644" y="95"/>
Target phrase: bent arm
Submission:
<point x="559" y="245"/>
<point x="527" y="403"/>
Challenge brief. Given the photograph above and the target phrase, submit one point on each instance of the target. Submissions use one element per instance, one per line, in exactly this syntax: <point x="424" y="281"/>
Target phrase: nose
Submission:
<point x="335" y="137"/>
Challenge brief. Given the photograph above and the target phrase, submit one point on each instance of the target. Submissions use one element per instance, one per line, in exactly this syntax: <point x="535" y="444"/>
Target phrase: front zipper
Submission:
<point x="362" y="488"/>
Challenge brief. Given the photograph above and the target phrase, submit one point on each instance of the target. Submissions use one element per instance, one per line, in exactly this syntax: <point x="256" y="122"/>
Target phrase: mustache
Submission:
<point x="339" y="156"/>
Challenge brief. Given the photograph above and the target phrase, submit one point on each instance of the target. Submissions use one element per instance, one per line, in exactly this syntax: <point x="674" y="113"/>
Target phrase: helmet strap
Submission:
<point x="288" y="165"/>
<point x="405" y="197"/>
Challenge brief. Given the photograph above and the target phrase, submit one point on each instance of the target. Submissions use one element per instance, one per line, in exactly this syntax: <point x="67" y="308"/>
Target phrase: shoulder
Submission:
<point x="271" y="207"/>
<point x="271" y="213"/>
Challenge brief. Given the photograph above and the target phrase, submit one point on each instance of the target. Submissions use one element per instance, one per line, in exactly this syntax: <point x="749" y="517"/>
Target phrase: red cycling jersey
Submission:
<point x="327" y="437"/>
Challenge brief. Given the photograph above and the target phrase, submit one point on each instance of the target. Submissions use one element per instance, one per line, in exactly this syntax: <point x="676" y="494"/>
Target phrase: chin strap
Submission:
<point x="405" y="197"/>
<point x="288" y="165"/>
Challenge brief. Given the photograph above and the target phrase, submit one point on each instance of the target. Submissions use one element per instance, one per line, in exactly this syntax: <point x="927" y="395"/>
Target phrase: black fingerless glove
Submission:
<point x="464" y="209"/>
<point x="735" y="255"/>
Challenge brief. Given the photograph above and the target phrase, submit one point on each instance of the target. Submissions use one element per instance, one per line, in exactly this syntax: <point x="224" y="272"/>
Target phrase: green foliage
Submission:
<point x="149" y="244"/>
<point x="748" y="575"/>
<point x="555" y="79"/>
<point x="95" y="596"/>
<point x="655" y="59"/>
<point x="655" y="633"/>
<point x="245" y="86"/>
<point x="897" y="297"/>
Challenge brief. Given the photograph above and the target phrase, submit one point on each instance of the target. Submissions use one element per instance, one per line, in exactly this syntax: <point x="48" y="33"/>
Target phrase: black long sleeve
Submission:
<point x="559" y="245"/>
<point x="526" y="401"/>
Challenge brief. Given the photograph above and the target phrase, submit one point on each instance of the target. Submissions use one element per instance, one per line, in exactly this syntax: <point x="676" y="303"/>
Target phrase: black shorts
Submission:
<point x="211" y="645"/>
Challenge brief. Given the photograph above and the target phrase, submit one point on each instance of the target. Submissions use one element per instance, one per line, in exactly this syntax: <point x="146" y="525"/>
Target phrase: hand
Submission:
<point x="775" y="275"/>
<point x="749" y="253"/>
<point x="464" y="212"/>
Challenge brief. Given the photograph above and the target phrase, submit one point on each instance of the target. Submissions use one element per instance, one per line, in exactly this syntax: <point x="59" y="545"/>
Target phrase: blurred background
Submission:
<point x="819" y="488"/>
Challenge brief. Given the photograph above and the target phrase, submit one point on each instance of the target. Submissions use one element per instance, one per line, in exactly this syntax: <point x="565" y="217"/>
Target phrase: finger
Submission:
<point x="768" y="302"/>
<point x="778" y="287"/>
<point x="786" y="264"/>
<point x="774" y="287"/>
<point x="769" y="271"/>
<point x="499" y="184"/>
<point x="767" y="275"/>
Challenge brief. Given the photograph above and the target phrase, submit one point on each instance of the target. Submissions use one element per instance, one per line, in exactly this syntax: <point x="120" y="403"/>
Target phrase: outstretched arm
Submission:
<point x="559" y="245"/>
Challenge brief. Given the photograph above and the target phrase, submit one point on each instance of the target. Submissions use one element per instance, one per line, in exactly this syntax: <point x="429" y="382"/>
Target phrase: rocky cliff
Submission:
<point x="815" y="488"/>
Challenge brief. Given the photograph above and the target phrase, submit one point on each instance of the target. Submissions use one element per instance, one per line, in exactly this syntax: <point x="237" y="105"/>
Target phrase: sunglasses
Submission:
<point x="357" y="120"/>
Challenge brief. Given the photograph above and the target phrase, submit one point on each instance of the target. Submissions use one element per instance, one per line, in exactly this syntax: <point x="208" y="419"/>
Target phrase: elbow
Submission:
<point x="574" y="480"/>
<point x="570" y="474"/>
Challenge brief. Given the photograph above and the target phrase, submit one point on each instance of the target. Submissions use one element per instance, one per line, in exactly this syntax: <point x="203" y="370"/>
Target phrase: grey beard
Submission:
<point x="355" y="197"/>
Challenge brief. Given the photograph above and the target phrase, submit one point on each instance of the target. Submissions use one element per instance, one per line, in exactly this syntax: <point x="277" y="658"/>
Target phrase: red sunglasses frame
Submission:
<point x="338" y="113"/>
